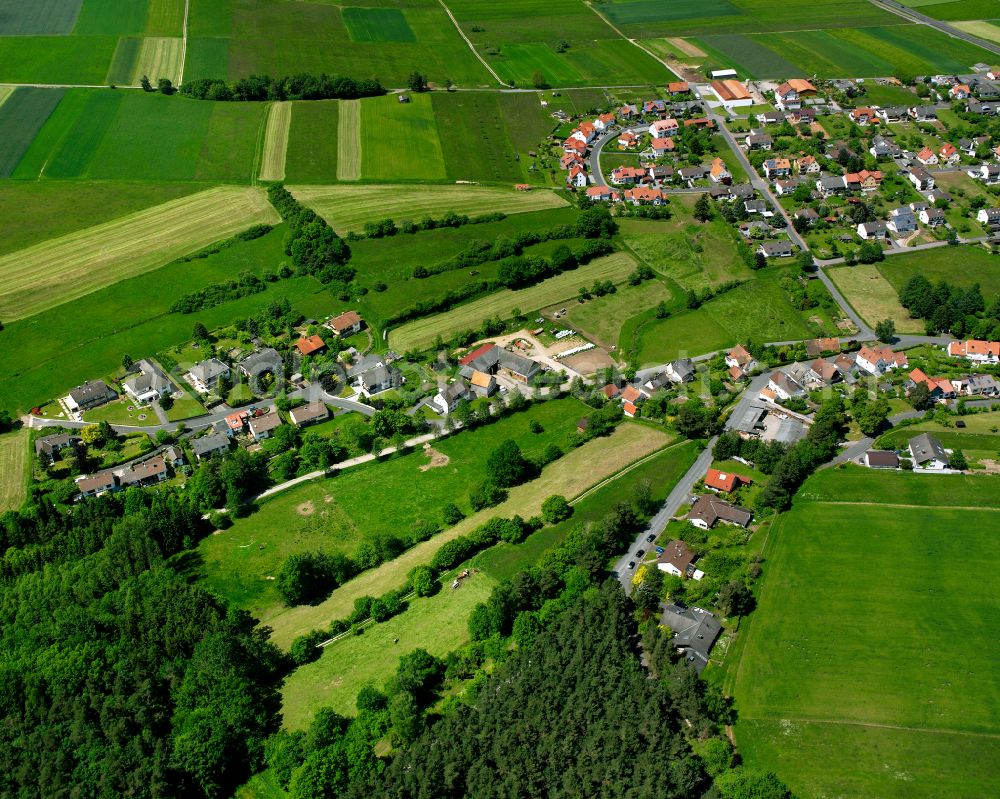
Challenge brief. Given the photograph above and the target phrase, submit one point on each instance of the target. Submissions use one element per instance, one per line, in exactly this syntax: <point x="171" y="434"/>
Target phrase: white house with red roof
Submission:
<point x="627" y="141"/>
<point x="627" y="175"/>
<point x="879" y="360"/>
<point x="976" y="350"/>
<point x="724" y="481"/>
<point x="663" y="127"/>
<point x="927" y="157"/>
<point x="662" y="145"/>
<point x="948" y="153"/>
<point x="644" y="195"/>
<point x="577" y="176"/>
<point x="719" y="172"/>
<point x="603" y="194"/>
<point x="604" y="122"/>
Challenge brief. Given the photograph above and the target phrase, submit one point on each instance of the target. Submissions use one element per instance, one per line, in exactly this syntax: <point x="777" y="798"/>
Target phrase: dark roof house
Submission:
<point x="695" y="632"/>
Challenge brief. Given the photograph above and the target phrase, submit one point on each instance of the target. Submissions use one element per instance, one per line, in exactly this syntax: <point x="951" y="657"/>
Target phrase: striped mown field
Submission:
<point x="160" y="57"/>
<point x="349" y="140"/>
<point x="13" y="465"/>
<point x="71" y="266"/>
<point x="422" y="333"/>
<point x="279" y="121"/>
<point x="347" y="208"/>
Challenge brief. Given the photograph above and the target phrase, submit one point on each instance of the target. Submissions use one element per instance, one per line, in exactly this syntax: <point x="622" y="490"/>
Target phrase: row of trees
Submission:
<point x="948" y="308"/>
<point x="314" y="247"/>
<point x="302" y="86"/>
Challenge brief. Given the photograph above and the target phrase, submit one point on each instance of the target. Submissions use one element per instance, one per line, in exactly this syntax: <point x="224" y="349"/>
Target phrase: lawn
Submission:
<point x="978" y="266"/>
<point x="133" y="316"/>
<point x="124" y="412"/>
<point x="279" y="120"/>
<point x="336" y="514"/>
<point x="78" y="263"/>
<point x="14" y="463"/>
<point x="887" y="701"/>
<point x="311" y="152"/>
<point x="422" y="333"/>
<point x="570" y="476"/>
<point x="872" y="296"/>
<point x="601" y="318"/>
<point x="22" y="115"/>
<point x="347" y="208"/>
<point x="400" y="140"/>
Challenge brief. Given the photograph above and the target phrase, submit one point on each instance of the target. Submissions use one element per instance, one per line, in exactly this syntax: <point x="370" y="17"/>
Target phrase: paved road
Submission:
<point x="864" y="331"/>
<point x="681" y="492"/>
<point x="915" y="16"/>
<point x="594" y="160"/>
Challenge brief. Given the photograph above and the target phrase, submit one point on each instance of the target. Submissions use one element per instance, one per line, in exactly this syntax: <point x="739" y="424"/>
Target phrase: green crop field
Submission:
<point x="886" y="705"/>
<point x="474" y="137"/>
<point x="955" y="9"/>
<point x="529" y="21"/>
<point x="22" y="19"/>
<point x="134" y="316"/>
<point x="400" y="140"/>
<point x="36" y="211"/>
<point x="377" y="25"/>
<point x="978" y="266"/>
<point x="22" y="115"/>
<point x="680" y="336"/>
<point x="135" y="135"/>
<point x="606" y="62"/>
<point x="14" y="462"/>
<point x="422" y="333"/>
<point x="56" y="59"/>
<point x="73" y="265"/>
<point x="311" y="155"/>
<point x="347" y="208"/>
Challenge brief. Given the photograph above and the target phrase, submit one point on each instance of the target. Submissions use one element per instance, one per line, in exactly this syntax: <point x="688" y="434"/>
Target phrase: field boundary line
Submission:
<point x="902" y="505"/>
<point x="634" y="42"/>
<point x="874" y="724"/>
<point x="184" y="42"/>
<point x="472" y="47"/>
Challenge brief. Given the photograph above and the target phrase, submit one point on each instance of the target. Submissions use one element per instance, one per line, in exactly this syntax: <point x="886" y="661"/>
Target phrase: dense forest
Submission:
<point x="945" y="308"/>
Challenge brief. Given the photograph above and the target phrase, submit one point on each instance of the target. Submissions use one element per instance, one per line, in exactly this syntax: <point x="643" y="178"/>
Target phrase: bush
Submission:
<point x="555" y="509"/>
<point x="310" y="576"/>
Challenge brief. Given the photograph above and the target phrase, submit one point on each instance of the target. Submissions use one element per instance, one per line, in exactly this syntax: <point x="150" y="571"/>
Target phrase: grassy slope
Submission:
<point x="978" y="266"/>
<point x="14" y="461"/>
<point x="838" y="691"/>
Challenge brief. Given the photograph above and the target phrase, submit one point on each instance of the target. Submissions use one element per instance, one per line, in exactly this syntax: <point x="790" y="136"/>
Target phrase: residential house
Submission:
<point x="979" y="386"/>
<point x="988" y="173"/>
<point x="726" y="482"/>
<point x="862" y="116"/>
<point x="263" y="426"/>
<point x="212" y="444"/>
<point x="989" y="216"/>
<point x="822" y="372"/>
<point x="923" y="113"/>
<point x="145" y="473"/>
<point x="948" y="154"/>
<point x="879" y="360"/>
<point x="628" y="111"/>
<point x="927" y="452"/>
<point x="884" y="148"/>
<point x="644" y="195"/>
<point x="611" y="391"/>
<point x="204" y="376"/>
<point x="881" y="459"/>
<point x="604" y="122"/>
<point x="576" y="176"/>
<point x="662" y="145"/>
<point x="719" y="173"/>
<point x="174" y="455"/>
<point x="310" y="345"/>
<point x="48" y="447"/>
<point x="262" y="362"/>
<point x="690" y="174"/>
<point x="786" y="187"/>
<point x="873" y="230"/>
<point x="347" y="324"/>
<point x="493" y="360"/>
<point x="831" y="184"/>
<point x="807" y="165"/>
<point x="149" y="385"/>
<point x="865" y="181"/>
<point x="970" y="146"/>
<point x="632" y="398"/>
<point x="96" y="485"/>
<point x="960" y="91"/>
<point x="927" y="157"/>
<point x="817" y="346"/>
<point x="627" y="175"/>
<point x="787" y="96"/>
<point x="976" y="106"/>
<point x="585" y="132"/>
<point x="654" y="107"/>
<point x="755" y="207"/>
<point x="663" y="127"/>
<point x="602" y="194"/>
<point x="700" y="122"/>
<point x="575" y="145"/>
<point x="921" y="179"/>
<point x="310" y="413"/>
<point x="449" y="396"/>
<point x="783" y="386"/>
<point x="758" y="140"/>
<point x="695" y="632"/>
<point x="482" y="384"/>
<point x="678" y="560"/>
<point x="776" y="249"/>
<point x="680" y="371"/>
<point x="902" y="220"/>
<point x="808" y="214"/>
<point x="678" y="87"/>
<point x="660" y="173"/>
<point x="89" y="395"/>
<point x="628" y="141"/>
<point x="707" y="510"/>
<point x="770" y="118"/>
<point x="938" y="388"/>
<point x="777" y="168"/>
<point x="932" y="217"/>
<point x="375" y="381"/>
<point x="976" y="350"/>
<point x="893" y="113"/>
<point x="566" y="162"/>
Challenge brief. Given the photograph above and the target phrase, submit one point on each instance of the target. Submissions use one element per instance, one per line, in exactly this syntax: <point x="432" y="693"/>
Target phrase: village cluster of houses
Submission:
<point x="478" y="372"/>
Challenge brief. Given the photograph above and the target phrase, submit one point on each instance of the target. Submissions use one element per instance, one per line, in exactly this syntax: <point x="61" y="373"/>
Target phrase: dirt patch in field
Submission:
<point x="990" y="467"/>
<point x="589" y="362"/>
<point x="328" y="499"/>
<point x="305" y="509"/>
<point x="687" y="48"/>
<point x="438" y="459"/>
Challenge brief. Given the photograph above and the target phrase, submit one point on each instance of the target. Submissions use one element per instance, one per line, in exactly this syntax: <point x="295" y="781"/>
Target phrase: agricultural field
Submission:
<point x="313" y="142"/>
<point x="950" y="10"/>
<point x="347" y="208"/>
<point x="601" y="318"/>
<point x="99" y="134"/>
<point x="857" y="52"/>
<point x="422" y="333"/>
<point x="349" y="140"/>
<point x="571" y="475"/>
<point x="887" y="706"/>
<point x="984" y="29"/>
<point x="279" y="120"/>
<point x="22" y="115"/>
<point x="873" y="297"/>
<point x="273" y="37"/>
<point x="15" y="460"/>
<point x="134" y="316"/>
<point x="978" y="266"/>
<point x="76" y="264"/>
<point x="603" y="62"/>
<point x="399" y="140"/>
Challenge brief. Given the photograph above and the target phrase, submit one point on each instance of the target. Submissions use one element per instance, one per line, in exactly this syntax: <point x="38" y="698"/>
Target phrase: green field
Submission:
<point x="400" y="140"/>
<point x="977" y="440"/>
<point x="56" y="59"/>
<point x="138" y="136"/>
<point x="984" y="29"/>
<point x="604" y="62"/>
<point x="601" y="318"/>
<point x="22" y="19"/>
<point x="347" y="208"/>
<point x="955" y="9"/>
<point x="335" y="515"/>
<point x="22" y="114"/>
<point x="978" y="266"/>
<point x="422" y="333"/>
<point x="274" y="37"/>
<point x="133" y="316"/>
<point x="873" y="297"/>
<point x="14" y="463"/>
<point x="886" y="705"/>
<point x="311" y="154"/>
<point x="839" y="52"/>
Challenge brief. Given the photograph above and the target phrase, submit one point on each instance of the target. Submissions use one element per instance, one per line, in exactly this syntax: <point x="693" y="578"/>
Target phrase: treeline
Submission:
<point x="946" y="308"/>
<point x="383" y="228"/>
<point x="251" y="233"/>
<point x="302" y="86"/>
<point x="218" y="293"/>
<point x="314" y="247"/>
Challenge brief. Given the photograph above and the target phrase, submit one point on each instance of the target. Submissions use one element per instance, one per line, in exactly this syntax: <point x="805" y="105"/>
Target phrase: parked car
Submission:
<point x="639" y="553"/>
<point x="631" y="564"/>
<point x="650" y="538"/>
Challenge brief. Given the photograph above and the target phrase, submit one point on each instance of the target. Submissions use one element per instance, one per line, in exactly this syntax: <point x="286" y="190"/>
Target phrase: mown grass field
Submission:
<point x="350" y="145"/>
<point x="59" y="270"/>
<point x="873" y="297"/>
<point x="14" y="463"/>
<point x="42" y="356"/>
<point x="888" y="705"/>
<point x="133" y="135"/>
<point x="978" y="266"/>
<point x="160" y="57"/>
<point x="313" y="142"/>
<point x="422" y="333"/>
<point x="400" y="140"/>
<point x="601" y="318"/>
<point x="22" y="114"/>
<point x="336" y="514"/>
<point x="279" y="120"/>
<point x="35" y="211"/>
<point x="843" y="51"/>
<point x="347" y="208"/>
